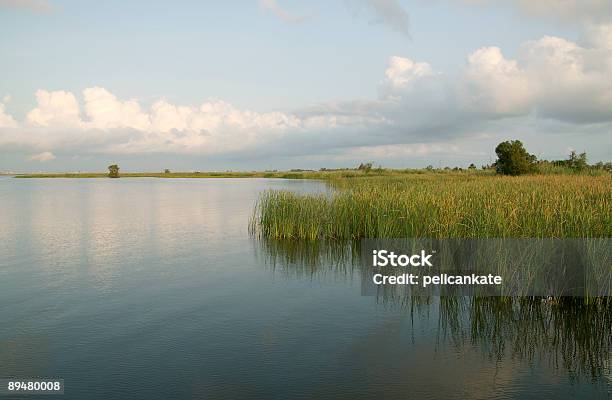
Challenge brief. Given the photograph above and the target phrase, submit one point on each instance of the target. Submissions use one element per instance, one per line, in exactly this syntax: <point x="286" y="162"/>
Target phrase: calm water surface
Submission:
<point x="153" y="289"/>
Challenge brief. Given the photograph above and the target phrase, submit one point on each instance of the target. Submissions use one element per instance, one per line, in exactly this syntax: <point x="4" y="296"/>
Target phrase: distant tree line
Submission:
<point x="513" y="159"/>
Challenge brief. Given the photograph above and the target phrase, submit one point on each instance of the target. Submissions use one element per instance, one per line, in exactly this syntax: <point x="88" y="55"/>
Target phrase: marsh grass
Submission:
<point x="571" y="333"/>
<point x="441" y="206"/>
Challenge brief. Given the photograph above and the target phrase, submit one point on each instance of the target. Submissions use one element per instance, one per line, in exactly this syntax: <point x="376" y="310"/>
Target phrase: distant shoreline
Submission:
<point x="254" y="174"/>
<point x="303" y="174"/>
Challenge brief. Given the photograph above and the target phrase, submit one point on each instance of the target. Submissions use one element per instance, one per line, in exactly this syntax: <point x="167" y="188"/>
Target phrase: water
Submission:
<point x="153" y="289"/>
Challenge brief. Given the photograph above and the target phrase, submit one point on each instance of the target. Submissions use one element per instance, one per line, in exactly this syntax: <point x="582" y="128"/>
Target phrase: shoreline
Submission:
<point x="291" y="174"/>
<point x="194" y="175"/>
<point x="303" y="174"/>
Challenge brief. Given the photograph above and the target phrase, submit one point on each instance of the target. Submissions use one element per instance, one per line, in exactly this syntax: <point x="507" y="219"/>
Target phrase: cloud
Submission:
<point x="572" y="81"/>
<point x="569" y="10"/>
<point x="598" y="36"/>
<point x="105" y="111"/>
<point x="55" y="108"/>
<point x="38" y="6"/>
<point x="6" y="121"/>
<point x="283" y="15"/>
<point x="402" y="72"/>
<point x="493" y="84"/>
<point x="42" y="157"/>
<point x="386" y="12"/>
<point x="108" y="124"/>
<point x="554" y="84"/>
<point x="552" y="78"/>
<point x="573" y="11"/>
<point x="403" y="150"/>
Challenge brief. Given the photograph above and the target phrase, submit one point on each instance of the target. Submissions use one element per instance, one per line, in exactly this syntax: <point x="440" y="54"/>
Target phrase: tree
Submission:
<point x="577" y="162"/>
<point x="472" y="166"/>
<point x="365" y="167"/>
<point x="513" y="159"/>
<point x="113" y="171"/>
<point x="166" y="171"/>
<point x="604" y="166"/>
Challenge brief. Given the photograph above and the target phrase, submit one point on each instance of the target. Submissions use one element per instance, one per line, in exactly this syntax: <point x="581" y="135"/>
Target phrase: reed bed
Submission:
<point x="441" y="206"/>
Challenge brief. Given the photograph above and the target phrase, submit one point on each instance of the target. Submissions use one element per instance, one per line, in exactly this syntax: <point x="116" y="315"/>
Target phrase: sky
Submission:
<point x="281" y="84"/>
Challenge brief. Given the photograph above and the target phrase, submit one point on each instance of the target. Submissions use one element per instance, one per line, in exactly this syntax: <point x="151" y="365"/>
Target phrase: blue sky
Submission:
<point x="287" y="84"/>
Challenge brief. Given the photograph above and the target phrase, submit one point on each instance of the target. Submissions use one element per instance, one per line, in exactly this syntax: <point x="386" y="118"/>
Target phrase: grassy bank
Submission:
<point x="441" y="205"/>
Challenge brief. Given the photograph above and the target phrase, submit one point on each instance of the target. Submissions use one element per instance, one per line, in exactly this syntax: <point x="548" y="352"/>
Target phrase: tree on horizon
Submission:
<point x="113" y="171"/>
<point x="513" y="159"/>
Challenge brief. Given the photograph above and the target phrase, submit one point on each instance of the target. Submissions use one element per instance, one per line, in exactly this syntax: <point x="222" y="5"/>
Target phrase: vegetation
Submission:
<point x="467" y="204"/>
<point x="574" y="164"/>
<point x="436" y="203"/>
<point x="113" y="171"/>
<point x="367" y="167"/>
<point x="513" y="159"/>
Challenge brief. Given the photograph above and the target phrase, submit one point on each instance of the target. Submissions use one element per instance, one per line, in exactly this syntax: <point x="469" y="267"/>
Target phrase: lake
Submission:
<point x="147" y="288"/>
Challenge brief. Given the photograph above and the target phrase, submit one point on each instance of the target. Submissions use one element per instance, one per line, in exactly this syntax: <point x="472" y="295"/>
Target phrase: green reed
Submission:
<point x="440" y="206"/>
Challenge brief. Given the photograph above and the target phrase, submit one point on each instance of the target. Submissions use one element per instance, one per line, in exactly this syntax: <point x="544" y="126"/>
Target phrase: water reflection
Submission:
<point x="565" y="333"/>
<point x="569" y="333"/>
<point x="311" y="260"/>
<point x="152" y="285"/>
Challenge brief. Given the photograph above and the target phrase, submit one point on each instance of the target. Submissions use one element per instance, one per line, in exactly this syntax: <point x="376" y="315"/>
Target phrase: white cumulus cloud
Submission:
<point x="495" y="84"/>
<point x="105" y="111"/>
<point x="573" y="81"/>
<point x="403" y="71"/>
<point x="57" y="108"/>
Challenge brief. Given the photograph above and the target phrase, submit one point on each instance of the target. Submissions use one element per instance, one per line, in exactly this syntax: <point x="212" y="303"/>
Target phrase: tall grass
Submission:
<point x="441" y="206"/>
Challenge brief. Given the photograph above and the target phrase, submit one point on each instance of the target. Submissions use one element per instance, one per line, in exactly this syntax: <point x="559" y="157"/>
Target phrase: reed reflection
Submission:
<point x="571" y="333"/>
<point x="312" y="260"/>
